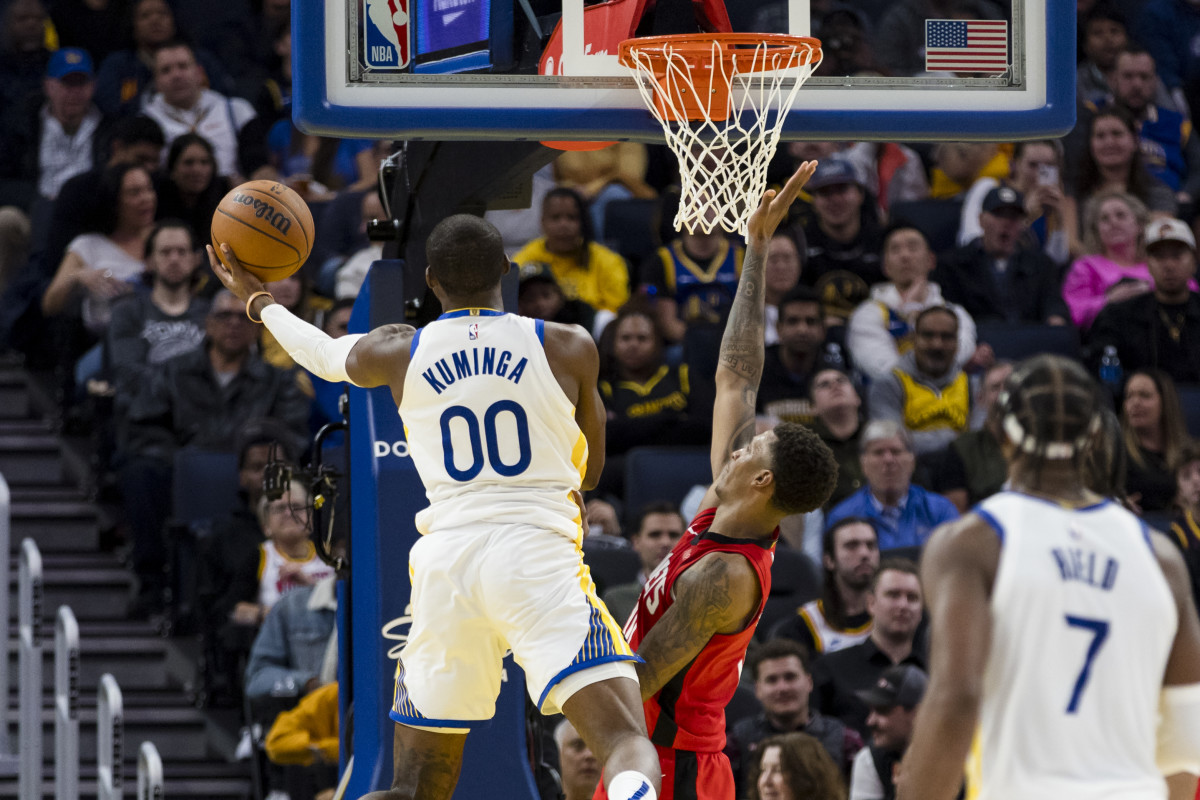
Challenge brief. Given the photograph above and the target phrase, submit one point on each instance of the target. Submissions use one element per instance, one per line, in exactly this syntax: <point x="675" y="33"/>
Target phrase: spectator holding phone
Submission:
<point x="1036" y="174"/>
<point x="996" y="277"/>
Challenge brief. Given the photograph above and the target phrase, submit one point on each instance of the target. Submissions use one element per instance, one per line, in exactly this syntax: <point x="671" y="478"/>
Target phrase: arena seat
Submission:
<point x="1189" y="400"/>
<point x="612" y="567"/>
<point x="204" y="489"/>
<point x="795" y="580"/>
<point x="663" y="473"/>
<point x="631" y="228"/>
<point x="1018" y="340"/>
<point x="937" y="219"/>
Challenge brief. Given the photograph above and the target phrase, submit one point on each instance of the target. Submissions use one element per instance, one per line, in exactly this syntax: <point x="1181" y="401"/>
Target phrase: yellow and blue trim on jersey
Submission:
<point x="406" y="713"/>
<point x="604" y="642"/>
<point x="472" y="312"/>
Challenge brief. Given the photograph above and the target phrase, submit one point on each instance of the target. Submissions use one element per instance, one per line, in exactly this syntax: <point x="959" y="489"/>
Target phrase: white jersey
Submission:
<point x="489" y="429"/>
<point x="272" y="583"/>
<point x="828" y="638"/>
<point x="1083" y="623"/>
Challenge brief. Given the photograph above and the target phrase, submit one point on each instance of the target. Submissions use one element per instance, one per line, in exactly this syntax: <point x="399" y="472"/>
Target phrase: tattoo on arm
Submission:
<point x="742" y="344"/>
<point x="744" y="427"/>
<point x="740" y="362"/>
<point x="706" y="601"/>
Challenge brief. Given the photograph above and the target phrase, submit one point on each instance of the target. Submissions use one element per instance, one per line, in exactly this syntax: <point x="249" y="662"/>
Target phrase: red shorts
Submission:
<point x="690" y="776"/>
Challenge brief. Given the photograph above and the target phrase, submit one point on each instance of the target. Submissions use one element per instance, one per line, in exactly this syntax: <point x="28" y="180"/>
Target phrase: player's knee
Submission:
<point x="631" y="785"/>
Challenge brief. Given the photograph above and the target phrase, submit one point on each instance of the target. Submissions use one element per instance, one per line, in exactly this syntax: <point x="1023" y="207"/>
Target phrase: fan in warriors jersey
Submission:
<point x="699" y="608"/>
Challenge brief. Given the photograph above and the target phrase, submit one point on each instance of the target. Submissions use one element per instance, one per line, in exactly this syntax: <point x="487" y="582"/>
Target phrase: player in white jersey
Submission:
<point x="505" y="427"/>
<point x="1062" y="628"/>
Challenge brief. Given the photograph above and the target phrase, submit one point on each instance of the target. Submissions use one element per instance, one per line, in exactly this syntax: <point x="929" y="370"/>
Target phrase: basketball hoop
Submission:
<point x="721" y="99"/>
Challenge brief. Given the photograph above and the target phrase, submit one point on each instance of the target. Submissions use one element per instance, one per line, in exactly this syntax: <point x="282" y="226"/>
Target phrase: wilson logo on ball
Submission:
<point x="264" y="210"/>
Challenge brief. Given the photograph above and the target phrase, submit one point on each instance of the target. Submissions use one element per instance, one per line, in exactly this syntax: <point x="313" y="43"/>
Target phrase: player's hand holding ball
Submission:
<point x="262" y="231"/>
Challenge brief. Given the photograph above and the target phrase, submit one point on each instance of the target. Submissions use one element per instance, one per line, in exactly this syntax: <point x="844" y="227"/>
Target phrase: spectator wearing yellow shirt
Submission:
<point x="584" y="270"/>
<point x="308" y="733"/>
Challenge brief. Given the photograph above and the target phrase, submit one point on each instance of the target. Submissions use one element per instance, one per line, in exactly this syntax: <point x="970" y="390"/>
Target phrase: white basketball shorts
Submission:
<point x="481" y="591"/>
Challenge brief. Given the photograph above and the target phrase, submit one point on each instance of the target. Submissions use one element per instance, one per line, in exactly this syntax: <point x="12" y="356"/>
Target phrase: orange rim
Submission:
<point x="739" y="49"/>
<point x="581" y="147"/>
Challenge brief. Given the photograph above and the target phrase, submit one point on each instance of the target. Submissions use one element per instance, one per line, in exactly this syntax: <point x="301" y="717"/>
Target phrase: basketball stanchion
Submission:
<point x="149" y="773"/>
<point x="29" y="620"/>
<point x="721" y="100"/>
<point x="66" y="705"/>
<point x="110" y="735"/>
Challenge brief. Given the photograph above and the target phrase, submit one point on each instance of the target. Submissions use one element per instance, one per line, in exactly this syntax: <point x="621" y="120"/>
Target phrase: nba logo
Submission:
<point x="385" y="34"/>
<point x="473" y="331"/>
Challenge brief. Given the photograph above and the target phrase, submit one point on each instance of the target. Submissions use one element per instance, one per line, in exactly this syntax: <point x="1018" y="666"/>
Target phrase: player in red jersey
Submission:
<point x="699" y="608"/>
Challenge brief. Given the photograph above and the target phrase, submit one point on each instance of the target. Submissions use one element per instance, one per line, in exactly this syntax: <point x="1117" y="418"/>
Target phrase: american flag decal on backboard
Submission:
<point x="974" y="45"/>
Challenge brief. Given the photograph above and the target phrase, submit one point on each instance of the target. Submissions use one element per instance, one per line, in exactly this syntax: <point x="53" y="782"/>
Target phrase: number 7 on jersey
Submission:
<point x="1099" y="630"/>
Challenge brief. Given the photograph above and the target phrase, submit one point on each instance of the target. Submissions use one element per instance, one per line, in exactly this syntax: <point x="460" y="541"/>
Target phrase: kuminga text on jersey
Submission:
<point x="476" y="361"/>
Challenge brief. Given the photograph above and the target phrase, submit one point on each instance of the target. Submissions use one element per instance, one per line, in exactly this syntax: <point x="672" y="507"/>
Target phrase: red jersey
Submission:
<point x="688" y="713"/>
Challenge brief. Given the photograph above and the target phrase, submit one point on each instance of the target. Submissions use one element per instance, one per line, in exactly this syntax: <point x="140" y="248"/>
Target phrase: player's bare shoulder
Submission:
<point x="572" y="355"/>
<point x="722" y="588"/>
<point x="967" y="542"/>
<point x="381" y="357"/>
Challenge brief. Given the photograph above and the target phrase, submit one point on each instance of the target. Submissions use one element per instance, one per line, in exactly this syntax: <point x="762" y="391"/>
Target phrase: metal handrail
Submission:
<point x="29" y="617"/>
<point x="5" y="533"/>
<point x="66" y="705"/>
<point x="149" y="773"/>
<point x="110" y="734"/>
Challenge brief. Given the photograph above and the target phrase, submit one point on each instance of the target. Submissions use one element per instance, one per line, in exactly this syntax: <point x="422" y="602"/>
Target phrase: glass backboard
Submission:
<point x="514" y="69"/>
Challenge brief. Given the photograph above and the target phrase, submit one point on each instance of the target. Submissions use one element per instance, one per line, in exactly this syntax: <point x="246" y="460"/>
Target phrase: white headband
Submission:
<point x="1055" y="451"/>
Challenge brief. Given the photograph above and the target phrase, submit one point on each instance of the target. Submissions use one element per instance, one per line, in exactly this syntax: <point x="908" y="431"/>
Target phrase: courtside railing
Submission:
<point x="6" y="751"/>
<point x="66" y="705"/>
<point x="110" y="735"/>
<point x="149" y="773"/>
<point x="29" y="617"/>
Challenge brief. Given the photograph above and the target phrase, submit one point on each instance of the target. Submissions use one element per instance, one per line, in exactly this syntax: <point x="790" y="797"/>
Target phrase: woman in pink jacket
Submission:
<point x="1114" y="268"/>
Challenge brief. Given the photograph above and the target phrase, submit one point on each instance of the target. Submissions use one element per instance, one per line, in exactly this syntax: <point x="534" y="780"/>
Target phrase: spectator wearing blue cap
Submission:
<point x="843" y="237"/>
<point x="53" y="135"/>
<point x="48" y="138"/>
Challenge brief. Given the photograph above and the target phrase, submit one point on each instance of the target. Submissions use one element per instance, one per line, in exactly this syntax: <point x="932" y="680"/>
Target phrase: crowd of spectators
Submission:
<point x="123" y="122"/>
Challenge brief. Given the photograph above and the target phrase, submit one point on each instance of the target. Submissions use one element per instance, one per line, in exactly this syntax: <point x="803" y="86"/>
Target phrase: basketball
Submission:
<point x="269" y="227"/>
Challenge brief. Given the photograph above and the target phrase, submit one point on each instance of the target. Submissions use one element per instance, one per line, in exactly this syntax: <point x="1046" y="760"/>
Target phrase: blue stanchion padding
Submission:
<point x="386" y="493"/>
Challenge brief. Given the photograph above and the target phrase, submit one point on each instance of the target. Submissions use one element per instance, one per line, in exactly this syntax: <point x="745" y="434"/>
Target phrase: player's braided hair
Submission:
<point x="1049" y="409"/>
<point x="465" y="254"/>
<point x="804" y="468"/>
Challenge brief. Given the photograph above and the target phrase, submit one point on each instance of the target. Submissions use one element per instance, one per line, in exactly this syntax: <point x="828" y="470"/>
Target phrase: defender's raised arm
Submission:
<point x="740" y="363"/>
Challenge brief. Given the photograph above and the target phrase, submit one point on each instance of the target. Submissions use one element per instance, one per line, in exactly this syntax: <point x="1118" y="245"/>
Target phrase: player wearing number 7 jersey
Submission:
<point x="505" y="427"/>
<point x="1064" y="641"/>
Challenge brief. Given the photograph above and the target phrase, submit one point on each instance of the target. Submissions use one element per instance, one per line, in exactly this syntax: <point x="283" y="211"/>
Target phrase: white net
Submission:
<point x="725" y="148"/>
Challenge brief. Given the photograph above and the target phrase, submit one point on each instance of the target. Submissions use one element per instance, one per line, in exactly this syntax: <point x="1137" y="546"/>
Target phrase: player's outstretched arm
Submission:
<point x="740" y="362"/>
<point x="378" y="358"/>
<point x="719" y="594"/>
<point x="957" y="573"/>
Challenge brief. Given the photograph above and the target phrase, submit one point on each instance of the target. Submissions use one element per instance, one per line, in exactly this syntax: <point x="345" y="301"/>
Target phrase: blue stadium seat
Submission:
<point x="612" y="567"/>
<point x="204" y="489"/>
<point x="1189" y="399"/>
<point x="663" y="473"/>
<point x="1018" y="340"/>
<point x="937" y="219"/>
<point x="631" y="228"/>
<point x="795" y="580"/>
